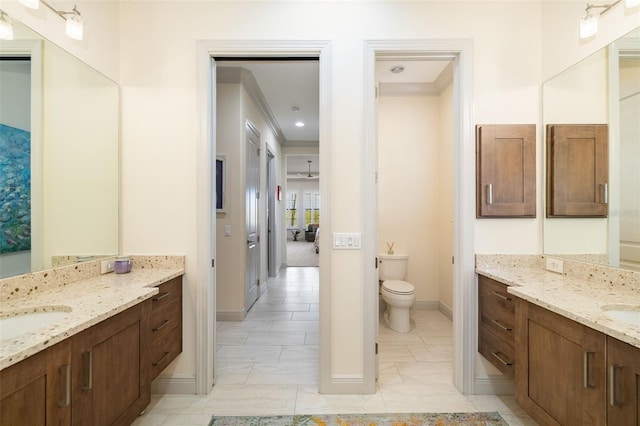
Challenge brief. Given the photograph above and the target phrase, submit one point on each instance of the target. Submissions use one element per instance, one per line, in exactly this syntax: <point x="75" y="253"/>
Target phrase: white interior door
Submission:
<point x="252" y="194"/>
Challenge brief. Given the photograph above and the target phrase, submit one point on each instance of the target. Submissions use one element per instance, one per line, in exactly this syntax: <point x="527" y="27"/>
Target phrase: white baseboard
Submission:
<point x="493" y="385"/>
<point x="175" y="384"/>
<point x="445" y="310"/>
<point x="346" y="384"/>
<point x="425" y="305"/>
<point x="230" y="315"/>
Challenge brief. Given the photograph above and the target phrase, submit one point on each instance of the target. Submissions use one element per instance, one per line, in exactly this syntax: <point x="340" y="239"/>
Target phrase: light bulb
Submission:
<point x="31" y="4"/>
<point x="74" y="26"/>
<point x="6" y="29"/>
<point x="588" y="26"/>
<point x="299" y="124"/>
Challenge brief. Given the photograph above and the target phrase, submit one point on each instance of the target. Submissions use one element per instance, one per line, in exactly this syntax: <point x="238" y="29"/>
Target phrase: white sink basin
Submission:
<point x="630" y="315"/>
<point x="15" y="325"/>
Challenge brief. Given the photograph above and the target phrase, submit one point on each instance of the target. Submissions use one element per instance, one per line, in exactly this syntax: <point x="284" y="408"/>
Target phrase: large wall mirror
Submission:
<point x="602" y="89"/>
<point x="59" y="158"/>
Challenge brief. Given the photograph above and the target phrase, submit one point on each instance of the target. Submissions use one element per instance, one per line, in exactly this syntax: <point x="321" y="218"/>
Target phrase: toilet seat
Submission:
<point x="398" y="287"/>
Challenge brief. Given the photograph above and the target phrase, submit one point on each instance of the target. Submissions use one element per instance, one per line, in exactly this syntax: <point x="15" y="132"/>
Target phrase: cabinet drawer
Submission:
<point x="162" y="322"/>
<point x="169" y="292"/>
<point x="496" y="308"/>
<point x="165" y="351"/>
<point x="497" y="351"/>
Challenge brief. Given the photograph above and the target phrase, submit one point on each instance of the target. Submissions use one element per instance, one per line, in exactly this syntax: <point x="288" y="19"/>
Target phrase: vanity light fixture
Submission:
<point x="74" y="22"/>
<point x="31" y="4"/>
<point x="589" y="22"/>
<point x="6" y="28"/>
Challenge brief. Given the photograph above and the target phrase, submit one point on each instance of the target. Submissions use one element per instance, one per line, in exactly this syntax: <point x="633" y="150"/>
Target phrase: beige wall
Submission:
<point x="409" y="176"/>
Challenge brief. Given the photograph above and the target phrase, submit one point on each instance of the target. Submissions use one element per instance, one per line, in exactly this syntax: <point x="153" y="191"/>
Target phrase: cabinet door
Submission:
<point x="560" y="368"/>
<point x="36" y="391"/>
<point x="624" y="383"/>
<point x="111" y="377"/>
<point x="577" y="170"/>
<point x="506" y="170"/>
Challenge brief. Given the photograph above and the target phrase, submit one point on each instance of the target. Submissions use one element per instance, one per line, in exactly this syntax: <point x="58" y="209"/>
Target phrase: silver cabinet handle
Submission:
<point x="503" y="327"/>
<point x="87" y="370"/>
<point x="501" y="359"/>
<point x="613" y="400"/>
<point x="605" y="193"/>
<point x="585" y="369"/>
<point x="490" y="193"/>
<point x="65" y="371"/>
<point x="501" y="296"/>
<point x="161" y="296"/>
<point x="155" y="364"/>
<point x="161" y="326"/>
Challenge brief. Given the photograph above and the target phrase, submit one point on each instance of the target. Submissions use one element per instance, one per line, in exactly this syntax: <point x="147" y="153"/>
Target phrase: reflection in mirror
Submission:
<point x="602" y="89"/>
<point x="59" y="129"/>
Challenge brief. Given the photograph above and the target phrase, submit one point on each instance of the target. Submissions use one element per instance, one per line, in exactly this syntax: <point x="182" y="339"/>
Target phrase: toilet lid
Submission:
<point x="398" y="287"/>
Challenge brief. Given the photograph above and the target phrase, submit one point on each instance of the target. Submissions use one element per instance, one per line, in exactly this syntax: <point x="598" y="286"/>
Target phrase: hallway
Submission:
<point x="268" y="364"/>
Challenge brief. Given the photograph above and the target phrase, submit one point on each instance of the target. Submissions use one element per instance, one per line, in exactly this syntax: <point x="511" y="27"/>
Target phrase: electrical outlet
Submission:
<point x="106" y="266"/>
<point x="555" y="265"/>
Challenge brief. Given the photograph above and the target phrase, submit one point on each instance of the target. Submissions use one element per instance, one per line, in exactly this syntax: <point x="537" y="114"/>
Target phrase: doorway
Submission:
<point x="459" y="52"/>
<point x="206" y="288"/>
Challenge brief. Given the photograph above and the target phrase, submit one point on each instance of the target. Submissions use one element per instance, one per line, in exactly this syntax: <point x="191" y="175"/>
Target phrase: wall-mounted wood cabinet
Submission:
<point x="577" y="170"/>
<point x="506" y="170"/>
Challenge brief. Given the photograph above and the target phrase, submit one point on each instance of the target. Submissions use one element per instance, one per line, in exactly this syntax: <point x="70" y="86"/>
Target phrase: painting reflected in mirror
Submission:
<point x="59" y="142"/>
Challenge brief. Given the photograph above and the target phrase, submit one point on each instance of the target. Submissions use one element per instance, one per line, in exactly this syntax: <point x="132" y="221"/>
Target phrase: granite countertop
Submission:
<point x="574" y="298"/>
<point x="88" y="301"/>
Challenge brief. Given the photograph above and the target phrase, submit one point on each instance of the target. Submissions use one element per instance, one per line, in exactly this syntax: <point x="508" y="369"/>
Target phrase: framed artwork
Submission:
<point x="221" y="182"/>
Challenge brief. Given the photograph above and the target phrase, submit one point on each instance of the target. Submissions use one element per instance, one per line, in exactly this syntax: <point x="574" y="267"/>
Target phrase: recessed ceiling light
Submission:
<point x="299" y="124"/>
<point x="397" y="69"/>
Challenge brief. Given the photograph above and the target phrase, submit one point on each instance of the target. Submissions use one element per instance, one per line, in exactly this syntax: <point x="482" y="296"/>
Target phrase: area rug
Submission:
<point x="302" y="253"/>
<point x="383" y="419"/>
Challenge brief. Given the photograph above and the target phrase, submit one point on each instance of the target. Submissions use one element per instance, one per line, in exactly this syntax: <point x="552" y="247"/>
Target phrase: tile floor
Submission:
<point x="268" y="364"/>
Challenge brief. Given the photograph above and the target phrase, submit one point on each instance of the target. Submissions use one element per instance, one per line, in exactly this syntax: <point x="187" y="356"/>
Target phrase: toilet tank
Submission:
<point x="392" y="266"/>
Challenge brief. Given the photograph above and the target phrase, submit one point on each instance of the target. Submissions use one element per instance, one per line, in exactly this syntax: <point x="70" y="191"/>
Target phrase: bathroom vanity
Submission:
<point x="96" y="365"/>
<point x="576" y="343"/>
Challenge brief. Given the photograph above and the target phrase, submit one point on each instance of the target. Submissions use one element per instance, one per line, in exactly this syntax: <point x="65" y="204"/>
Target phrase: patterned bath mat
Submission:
<point x="405" y="419"/>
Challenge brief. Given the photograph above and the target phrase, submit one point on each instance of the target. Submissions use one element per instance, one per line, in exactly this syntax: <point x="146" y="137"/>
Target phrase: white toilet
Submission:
<point x="399" y="295"/>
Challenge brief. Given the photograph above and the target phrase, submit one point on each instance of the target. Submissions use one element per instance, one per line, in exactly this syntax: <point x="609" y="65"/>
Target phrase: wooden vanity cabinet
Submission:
<point x="623" y="390"/>
<point x="111" y="376"/>
<point x="165" y="326"/>
<point x="560" y="368"/>
<point x="496" y="322"/>
<point x="36" y="391"/>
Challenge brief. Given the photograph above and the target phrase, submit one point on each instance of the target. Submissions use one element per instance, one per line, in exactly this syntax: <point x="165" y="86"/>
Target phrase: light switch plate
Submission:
<point x="347" y="241"/>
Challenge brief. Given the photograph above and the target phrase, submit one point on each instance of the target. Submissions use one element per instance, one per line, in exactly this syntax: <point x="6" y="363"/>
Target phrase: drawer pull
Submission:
<point x="501" y="296"/>
<point x="161" y="296"/>
<point x="503" y="327"/>
<point x="586" y="368"/>
<point x="155" y="364"/>
<point x="65" y="372"/>
<point x="161" y="326"/>
<point x="87" y="370"/>
<point x="613" y="400"/>
<point x="501" y="359"/>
